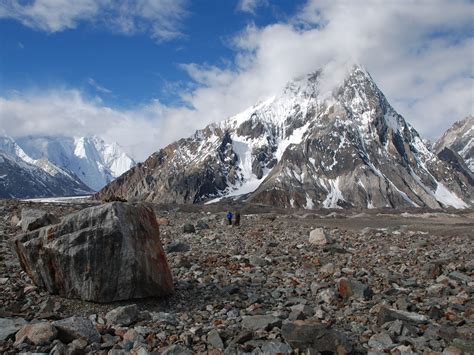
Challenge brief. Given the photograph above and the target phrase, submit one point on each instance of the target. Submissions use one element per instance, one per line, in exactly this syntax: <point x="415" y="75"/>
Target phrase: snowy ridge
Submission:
<point x="94" y="161"/>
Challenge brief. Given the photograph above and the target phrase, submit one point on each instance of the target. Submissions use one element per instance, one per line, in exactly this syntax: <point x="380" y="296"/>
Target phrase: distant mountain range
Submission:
<point x="306" y="148"/>
<point x="58" y="166"/>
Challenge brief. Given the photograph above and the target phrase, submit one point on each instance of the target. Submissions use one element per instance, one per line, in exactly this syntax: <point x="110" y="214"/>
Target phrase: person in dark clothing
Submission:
<point x="229" y="217"/>
<point x="237" y="218"/>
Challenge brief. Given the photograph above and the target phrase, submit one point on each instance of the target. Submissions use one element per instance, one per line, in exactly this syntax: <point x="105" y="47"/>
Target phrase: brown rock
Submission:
<point x="37" y="333"/>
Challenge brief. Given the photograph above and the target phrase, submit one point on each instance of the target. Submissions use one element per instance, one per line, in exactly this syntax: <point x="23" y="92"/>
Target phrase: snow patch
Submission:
<point x="334" y="194"/>
<point x="448" y="198"/>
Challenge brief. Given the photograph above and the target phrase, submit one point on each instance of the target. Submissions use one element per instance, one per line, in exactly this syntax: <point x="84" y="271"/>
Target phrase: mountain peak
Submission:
<point x="327" y="140"/>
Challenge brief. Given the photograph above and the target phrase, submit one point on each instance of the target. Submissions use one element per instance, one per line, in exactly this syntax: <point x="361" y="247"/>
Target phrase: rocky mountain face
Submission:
<point x="94" y="161"/>
<point x="459" y="138"/>
<point x="58" y="166"/>
<point x="19" y="179"/>
<point x="306" y="148"/>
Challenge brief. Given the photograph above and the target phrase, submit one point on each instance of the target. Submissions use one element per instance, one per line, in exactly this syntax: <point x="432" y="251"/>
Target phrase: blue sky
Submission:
<point x="144" y="73"/>
<point x="126" y="70"/>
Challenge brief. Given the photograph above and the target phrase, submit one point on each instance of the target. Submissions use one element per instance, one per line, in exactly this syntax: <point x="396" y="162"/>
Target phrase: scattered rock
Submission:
<point x="276" y="347"/>
<point x="76" y="328"/>
<point x="122" y="316"/>
<point x="201" y="225"/>
<point x="36" y="333"/>
<point x="314" y="336"/>
<point x="381" y="341"/>
<point x="9" y="326"/>
<point x="215" y="340"/>
<point x="177" y="247"/>
<point x="163" y="221"/>
<point x="388" y="314"/>
<point x="319" y="236"/>
<point x="189" y="228"/>
<point x="265" y="322"/>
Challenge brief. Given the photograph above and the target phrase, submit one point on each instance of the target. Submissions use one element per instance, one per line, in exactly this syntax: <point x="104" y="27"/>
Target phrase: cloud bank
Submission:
<point x="161" y="19"/>
<point x="418" y="52"/>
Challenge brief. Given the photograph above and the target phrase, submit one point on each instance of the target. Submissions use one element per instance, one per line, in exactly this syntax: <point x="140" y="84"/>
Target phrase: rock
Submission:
<point x="76" y="328"/>
<point x="177" y="247"/>
<point x="215" y="340"/>
<point x="344" y="288"/>
<point x="163" y="317"/>
<point x="432" y="270"/>
<point x="276" y="347"/>
<point x="122" y="316"/>
<point x="9" y="326"/>
<point x="265" y="322"/>
<point x="202" y="225"/>
<point x="163" y="221"/>
<point x="381" y="341"/>
<point x="328" y="269"/>
<point x="388" y="314"/>
<point x="257" y="261"/>
<point x="189" y="228"/>
<point x="327" y="296"/>
<point x="32" y="219"/>
<point x="59" y="349"/>
<point x="319" y="236"/>
<point x="459" y="276"/>
<point x="103" y="253"/>
<point x="466" y="345"/>
<point x="132" y="335"/>
<point x="348" y="288"/>
<point x="37" y="333"/>
<point x="314" y="336"/>
<point x="175" y="350"/>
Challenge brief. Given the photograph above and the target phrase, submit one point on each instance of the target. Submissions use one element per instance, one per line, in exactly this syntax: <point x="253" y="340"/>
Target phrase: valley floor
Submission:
<point x="390" y="281"/>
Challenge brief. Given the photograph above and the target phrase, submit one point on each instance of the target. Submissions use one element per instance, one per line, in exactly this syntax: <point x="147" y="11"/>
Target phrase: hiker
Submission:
<point x="237" y="218"/>
<point x="229" y="217"/>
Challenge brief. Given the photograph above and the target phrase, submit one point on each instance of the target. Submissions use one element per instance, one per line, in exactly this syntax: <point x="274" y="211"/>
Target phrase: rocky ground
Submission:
<point x="373" y="281"/>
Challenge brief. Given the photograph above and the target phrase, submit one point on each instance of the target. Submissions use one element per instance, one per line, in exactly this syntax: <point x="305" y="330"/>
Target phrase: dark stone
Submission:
<point x="76" y="328"/>
<point x="177" y="247"/>
<point x="189" y="228"/>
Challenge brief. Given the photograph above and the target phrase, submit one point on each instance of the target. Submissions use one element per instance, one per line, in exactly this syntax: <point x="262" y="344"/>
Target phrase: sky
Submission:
<point x="147" y="72"/>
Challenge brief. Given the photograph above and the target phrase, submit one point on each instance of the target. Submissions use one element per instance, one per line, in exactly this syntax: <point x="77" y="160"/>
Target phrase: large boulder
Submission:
<point x="102" y="254"/>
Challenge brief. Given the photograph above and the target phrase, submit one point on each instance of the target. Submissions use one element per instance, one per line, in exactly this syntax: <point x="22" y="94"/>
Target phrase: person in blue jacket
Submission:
<point x="229" y="217"/>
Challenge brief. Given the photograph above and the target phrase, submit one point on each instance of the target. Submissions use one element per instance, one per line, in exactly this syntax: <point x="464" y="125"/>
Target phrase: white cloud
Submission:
<point x="160" y="18"/>
<point x="251" y="6"/>
<point x="419" y="53"/>
<point x="98" y="87"/>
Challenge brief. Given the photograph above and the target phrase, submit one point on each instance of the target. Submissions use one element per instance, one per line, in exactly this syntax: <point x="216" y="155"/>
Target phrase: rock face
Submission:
<point x="459" y="138"/>
<point x="305" y="148"/>
<point x="104" y="253"/>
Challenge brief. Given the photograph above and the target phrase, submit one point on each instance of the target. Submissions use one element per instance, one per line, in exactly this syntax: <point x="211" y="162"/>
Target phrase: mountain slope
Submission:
<point x="19" y="179"/>
<point x="303" y="148"/>
<point x="94" y="161"/>
<point x="459" y="138"/>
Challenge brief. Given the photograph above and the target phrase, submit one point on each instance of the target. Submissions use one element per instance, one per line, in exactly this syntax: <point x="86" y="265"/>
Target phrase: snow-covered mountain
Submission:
<point x="460" y="139"/>
<point x="94" y="161"/>
<point x="24" y="177"/>
<point x="306" y="147"/>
